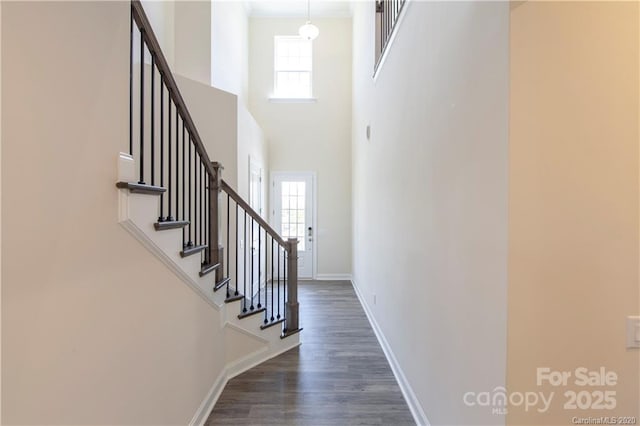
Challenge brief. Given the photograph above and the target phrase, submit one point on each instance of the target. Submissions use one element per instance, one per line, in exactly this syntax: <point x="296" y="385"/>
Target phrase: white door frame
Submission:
<point x="256" y="165"/>
<point x="253" y="164"/>
<point x="314" y="211"/>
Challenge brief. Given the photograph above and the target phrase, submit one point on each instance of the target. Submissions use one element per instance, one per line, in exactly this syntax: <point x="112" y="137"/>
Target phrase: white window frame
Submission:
<point x="276" y="96"/>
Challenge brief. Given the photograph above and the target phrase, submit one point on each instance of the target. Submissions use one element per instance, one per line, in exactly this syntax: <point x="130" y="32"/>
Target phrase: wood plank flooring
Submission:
<point x="338" y="376"/>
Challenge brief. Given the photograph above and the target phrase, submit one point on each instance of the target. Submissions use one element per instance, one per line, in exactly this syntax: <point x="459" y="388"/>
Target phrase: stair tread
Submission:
<point x="208" y="268"/>
<point x="288" y="333"/>
<point x="272" y="323"/>
<point x="141" y="188"/>
<point x="188" y="251"/>
<point x="233" y="298"/>
<point x="170" y="224"/>
<point x="221" y="283"/>
<point x="249" y="313"/>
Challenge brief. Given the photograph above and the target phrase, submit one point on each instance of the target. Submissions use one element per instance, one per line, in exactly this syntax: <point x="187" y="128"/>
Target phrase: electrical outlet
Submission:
<point x="633" y="332"/>
<point x="375" y="297"/>
<point x="241" y="243"/>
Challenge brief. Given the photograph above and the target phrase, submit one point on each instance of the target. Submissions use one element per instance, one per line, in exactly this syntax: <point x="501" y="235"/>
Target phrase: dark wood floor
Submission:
<point x="338" y="376"/>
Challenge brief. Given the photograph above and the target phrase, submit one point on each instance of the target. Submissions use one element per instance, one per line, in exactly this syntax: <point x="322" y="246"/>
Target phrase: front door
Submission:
<point x="292" y="214"/>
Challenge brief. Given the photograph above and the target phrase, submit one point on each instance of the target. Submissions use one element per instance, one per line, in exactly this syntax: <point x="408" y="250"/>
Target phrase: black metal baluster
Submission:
<point x="161" y="218"/>
<point x="259" y="264"/>
<point x="177" y="165"/>
<point x="131" y="85"/>
<point x="279" y="249"/>
<point x="381" y="26"/>
<point x="205" y="214"/>
<point x="266" y="277"/>
<point x="237" y="247"/>
<point x="205" y="180"/>
<point x="272" y="277"/>
<point x="203" y="201"/>
<point x="184" y="181"/>
<point x="388" y="12"/>
<point x="190" y="207"/>
<point x="141" y="181"/>
<point x="244" y="276"/>
<point x="202" y="189"/>
<point x="393" y="12"/>
<point x="381" y="29"/>
<point x="196" y="207"/>
<point x="284" y="291"/>
<point x="153" y="119"/>
<point x="252" y="250"/>
<point x="169" y="190"/>
<point x="202" y="183"/>
<point x="386" y="20"/>
<point x="228" y="246"/>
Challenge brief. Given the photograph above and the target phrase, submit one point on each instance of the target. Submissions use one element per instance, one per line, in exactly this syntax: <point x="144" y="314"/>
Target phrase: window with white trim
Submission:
<point x="292" y="67"/>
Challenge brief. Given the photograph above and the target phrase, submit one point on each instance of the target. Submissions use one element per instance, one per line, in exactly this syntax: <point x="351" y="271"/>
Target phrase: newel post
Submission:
<point x="292" y="323"/>
<point x="214" y="255"/>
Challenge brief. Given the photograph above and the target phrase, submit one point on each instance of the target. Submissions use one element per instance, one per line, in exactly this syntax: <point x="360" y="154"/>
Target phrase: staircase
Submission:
<point x="173" y="198"/>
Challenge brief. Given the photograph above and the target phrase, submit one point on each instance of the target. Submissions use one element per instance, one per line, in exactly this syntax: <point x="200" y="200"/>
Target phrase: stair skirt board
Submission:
<point x="229" y="372"/>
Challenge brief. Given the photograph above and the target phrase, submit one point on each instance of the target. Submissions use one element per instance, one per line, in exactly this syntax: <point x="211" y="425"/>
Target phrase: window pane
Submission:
<point x="292" y="67"/>
<point x="293" y="211"/>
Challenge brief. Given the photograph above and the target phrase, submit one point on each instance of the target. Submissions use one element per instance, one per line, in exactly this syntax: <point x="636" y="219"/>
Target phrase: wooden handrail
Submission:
<point x="139" y="15"/>
<point x="246" y="207"/>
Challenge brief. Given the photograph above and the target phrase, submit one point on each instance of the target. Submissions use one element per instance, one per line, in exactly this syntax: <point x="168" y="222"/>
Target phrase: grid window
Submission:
<point x="293" y="211"/>
<point x="292" y="67"/>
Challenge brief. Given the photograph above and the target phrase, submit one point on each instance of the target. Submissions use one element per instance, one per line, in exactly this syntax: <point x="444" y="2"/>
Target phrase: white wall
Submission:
<point x="192" y="40"/>
<point x="230" y="72"/>
<point x="251" y="145"/>
<point x="230" y="47"/>
<point x="201" y="36"/>
<point x="215" y="114"/>
<point x="573" y="199"/>
<point x="208" y="43"/>
<point x="430" y="198"/>
<point x="161" y="14"/>
<point x="95" y="330"/>
<point x="311" y="136"/>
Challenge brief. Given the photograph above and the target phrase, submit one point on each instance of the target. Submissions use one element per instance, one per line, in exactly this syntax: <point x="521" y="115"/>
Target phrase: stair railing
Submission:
<point x="270" y="276"/>
<point x="163" y="136"/>
<point x="387" y="14"/>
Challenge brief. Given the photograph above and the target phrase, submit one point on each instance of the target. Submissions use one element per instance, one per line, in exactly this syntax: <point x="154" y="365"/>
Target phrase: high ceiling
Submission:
<point x="298" y="8"/>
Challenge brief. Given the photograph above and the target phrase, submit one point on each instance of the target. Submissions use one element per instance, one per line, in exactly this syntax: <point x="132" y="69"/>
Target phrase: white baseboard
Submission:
<point x="410" y="397"/>
<point x="333" y="277"/>
<point x="209" y="401"/>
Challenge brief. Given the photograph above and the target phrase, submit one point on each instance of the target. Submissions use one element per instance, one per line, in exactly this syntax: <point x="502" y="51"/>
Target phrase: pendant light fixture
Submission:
<point x="308" y="30"/>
